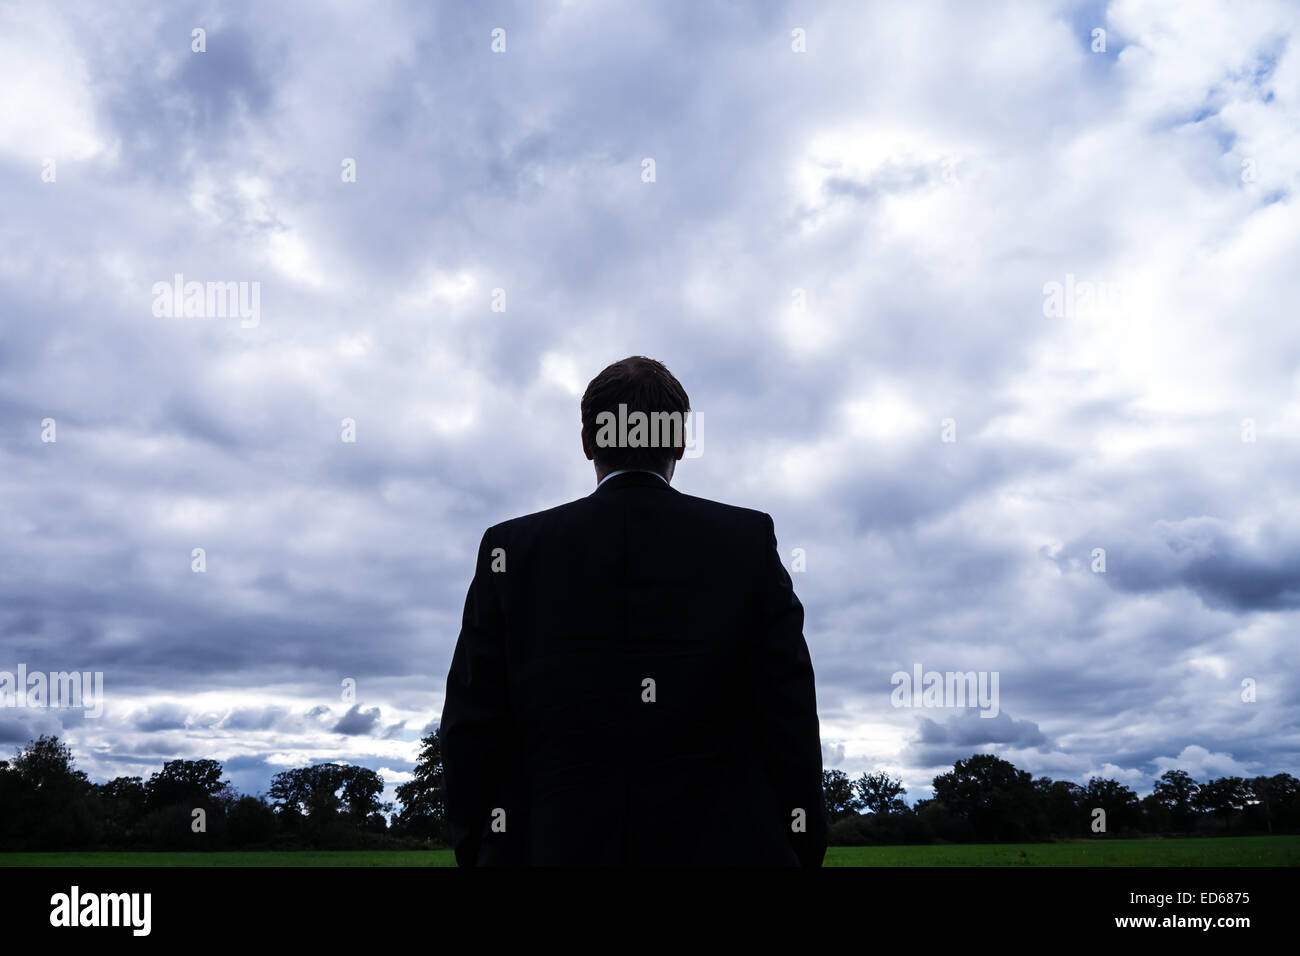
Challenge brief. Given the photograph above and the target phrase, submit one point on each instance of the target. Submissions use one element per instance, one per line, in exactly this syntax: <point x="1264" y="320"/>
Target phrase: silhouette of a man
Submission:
<point x="631" y="683"/>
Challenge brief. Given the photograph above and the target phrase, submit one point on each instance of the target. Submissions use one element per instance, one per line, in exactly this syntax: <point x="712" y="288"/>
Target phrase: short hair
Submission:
<point x="641" y="385"/>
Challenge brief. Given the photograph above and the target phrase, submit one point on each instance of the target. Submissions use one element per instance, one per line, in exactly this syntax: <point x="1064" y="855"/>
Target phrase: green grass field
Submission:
<point x="1197" y="851"/>
<point x="1201" y="851"/>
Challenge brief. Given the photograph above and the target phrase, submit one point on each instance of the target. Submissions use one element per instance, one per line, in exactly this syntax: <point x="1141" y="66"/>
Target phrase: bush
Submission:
<point x="875" y="829"/>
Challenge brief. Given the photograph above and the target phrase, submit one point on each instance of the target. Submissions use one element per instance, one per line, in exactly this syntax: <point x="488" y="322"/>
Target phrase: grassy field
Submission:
<point x="1198" y="851"/>
<point x="1201" y="851"/>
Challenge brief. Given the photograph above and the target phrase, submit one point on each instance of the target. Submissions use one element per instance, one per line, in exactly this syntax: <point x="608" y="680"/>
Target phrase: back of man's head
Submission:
<point x="634" y="416"/>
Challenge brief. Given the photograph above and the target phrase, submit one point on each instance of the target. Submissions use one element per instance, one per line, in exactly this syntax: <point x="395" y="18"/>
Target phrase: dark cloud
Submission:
<point x="161" y="717"/>
<point x="942" y="742"/>
<point x="254" y="718"/>
<point x="357" y="721"/>
<point x="1227" y="567"/>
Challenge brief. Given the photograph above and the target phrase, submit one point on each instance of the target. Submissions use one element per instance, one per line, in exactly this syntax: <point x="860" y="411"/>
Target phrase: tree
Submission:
<point x="991" y="794"/>
<point x="362" y="788"/>
<point x="251" y="822"/>
<point x="880" y="793"/>
<point x="122" y="801"/>
<point x="48" y="799"/>
<point x="12" y="804"/>
<point x="1059" y="803"/>
<point x="47" y="764"/>
<point x="310" y="791"/>
<point x="1175" y="791"/>
<point x="841" y="801"/>
<point x="327" y="793"/>
<point x="423" y="799"/>
<point x="189" y="783"/>
<point x="1119" y="802"/>
<point x="1275" y="799"/>
<point x="1223" y="796"/>
<point x="1155" y="818"/>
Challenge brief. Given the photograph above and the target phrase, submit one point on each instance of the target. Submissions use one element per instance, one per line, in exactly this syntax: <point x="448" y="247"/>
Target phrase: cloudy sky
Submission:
<point x="962" y="293"/>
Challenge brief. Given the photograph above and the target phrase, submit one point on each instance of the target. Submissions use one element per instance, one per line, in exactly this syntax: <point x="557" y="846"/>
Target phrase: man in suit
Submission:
<point x="631" y="683"/>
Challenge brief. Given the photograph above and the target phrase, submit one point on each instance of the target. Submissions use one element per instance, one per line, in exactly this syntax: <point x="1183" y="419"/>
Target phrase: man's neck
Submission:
<point x="602" y="474"/>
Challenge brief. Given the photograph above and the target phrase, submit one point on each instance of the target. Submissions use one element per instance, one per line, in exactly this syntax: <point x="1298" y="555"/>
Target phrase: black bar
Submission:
<point x="438" y="904"/>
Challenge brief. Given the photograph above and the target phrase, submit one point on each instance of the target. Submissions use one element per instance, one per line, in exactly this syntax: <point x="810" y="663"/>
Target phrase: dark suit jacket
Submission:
<point x="631" y="685"/>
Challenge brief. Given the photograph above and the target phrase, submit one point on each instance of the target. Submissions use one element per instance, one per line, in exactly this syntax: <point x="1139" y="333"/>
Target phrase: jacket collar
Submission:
<point x="633" y="479"/>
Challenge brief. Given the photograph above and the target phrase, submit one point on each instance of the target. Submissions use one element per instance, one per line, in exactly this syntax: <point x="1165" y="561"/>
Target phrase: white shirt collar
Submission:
<point x="624" y="471"/>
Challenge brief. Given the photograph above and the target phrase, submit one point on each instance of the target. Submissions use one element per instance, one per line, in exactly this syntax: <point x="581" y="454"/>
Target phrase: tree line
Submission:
<point x="985" y="799"/>
<point x="48" y="804"/>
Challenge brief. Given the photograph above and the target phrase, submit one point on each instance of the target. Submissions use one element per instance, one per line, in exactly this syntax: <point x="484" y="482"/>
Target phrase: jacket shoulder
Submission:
<point x="723" y="511"/>
<point x="704" y="509"/>
<point x="536" y="519"/>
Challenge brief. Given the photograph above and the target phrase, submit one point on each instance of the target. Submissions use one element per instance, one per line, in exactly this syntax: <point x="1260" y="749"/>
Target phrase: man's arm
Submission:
<point x="475" y="727"/>
<point x="790" y="737"/>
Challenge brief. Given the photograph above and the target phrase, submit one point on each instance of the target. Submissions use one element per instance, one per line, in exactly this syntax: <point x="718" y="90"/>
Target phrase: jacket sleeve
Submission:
<point x="475" y="727"/>
<point x="789" y="731"/>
